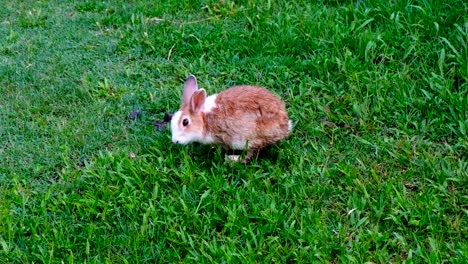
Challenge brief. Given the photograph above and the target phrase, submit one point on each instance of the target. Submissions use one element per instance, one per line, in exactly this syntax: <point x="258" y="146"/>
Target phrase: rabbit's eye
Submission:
<point x="185" y="122"/>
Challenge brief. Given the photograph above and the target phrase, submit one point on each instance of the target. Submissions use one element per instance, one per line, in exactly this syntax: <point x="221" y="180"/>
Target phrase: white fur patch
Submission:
<point x="290" y="126"/>
<point x="239" y="144"/>
<point x="208" y="139"/>
<point x="233" y="158"/>
<point x="210" y="103"/>
<point x="177" y="134"/>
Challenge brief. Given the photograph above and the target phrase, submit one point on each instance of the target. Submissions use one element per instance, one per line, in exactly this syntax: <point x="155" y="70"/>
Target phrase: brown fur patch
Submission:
<point x="247" y="114"/>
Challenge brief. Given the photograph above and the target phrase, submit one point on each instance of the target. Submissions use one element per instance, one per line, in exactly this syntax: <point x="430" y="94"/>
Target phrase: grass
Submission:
<point x="376" y="169"/>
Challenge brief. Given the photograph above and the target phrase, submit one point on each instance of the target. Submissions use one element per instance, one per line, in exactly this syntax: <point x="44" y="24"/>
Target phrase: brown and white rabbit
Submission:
<point x="240" y="118"/>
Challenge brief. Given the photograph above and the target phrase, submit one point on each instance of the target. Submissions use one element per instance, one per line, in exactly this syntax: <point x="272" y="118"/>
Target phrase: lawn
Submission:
<point x="376" y="169"/>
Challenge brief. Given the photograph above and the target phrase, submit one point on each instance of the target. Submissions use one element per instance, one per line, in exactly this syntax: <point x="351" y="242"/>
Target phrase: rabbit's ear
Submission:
<point x="198" y="100"/>
<point x="190" y="87"/>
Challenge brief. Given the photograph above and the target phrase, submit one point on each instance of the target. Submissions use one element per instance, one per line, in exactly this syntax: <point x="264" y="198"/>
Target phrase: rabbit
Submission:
<point x="240" y="118"/>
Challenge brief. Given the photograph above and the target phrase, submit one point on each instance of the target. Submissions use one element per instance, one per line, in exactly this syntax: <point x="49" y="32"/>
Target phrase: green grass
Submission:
<point x="376" y="169"/>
